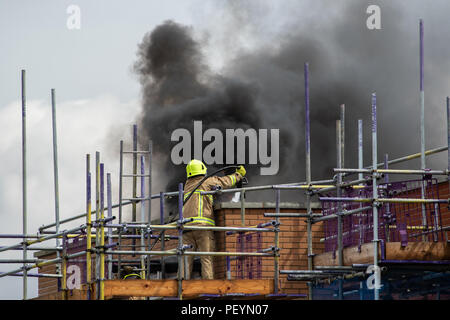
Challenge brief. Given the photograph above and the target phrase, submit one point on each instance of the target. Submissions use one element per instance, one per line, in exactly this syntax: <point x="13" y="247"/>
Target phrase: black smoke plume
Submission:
<point x="261" y="86"/>
<point x="178" y="89"/>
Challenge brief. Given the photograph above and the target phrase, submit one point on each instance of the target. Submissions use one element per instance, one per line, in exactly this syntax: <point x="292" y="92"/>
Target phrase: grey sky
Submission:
<point x="80" y="63"/>
<point x="91" y="71"/>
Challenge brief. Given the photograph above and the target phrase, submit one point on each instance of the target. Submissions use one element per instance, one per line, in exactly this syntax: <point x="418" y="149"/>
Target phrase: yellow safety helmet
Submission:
<point x="195" y="168"/>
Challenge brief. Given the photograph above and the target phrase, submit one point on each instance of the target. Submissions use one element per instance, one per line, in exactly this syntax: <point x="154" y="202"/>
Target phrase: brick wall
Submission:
<point x="445" y="212"/>
<point x="292" y="241"/>
<point x="47" y="285"/>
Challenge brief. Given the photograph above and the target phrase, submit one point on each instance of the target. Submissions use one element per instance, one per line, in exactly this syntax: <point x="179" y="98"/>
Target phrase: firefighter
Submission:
<point x="129" y="272"/>
<point x="200" y="208"/>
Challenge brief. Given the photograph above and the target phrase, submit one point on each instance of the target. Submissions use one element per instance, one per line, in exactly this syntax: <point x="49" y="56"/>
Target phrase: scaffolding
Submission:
<point x="376" y="213"/>
<point x="354" y="213"/>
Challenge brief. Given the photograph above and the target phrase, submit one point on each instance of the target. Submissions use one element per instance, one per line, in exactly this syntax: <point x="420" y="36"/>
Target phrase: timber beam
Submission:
<point x="191" y="288"/>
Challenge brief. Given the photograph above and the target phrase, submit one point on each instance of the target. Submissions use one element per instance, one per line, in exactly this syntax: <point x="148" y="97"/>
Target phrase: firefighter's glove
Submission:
<point x="241" y="171"/>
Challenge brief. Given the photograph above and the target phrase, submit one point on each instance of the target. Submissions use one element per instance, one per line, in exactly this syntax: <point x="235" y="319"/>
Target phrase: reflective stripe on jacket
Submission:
<point x="200" y="207"/>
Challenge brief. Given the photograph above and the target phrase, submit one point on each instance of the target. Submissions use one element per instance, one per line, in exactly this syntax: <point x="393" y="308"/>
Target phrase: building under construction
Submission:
<point x="364" y="234"/>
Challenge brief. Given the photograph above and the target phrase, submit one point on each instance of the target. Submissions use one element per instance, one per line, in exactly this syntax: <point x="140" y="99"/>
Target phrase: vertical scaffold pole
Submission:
<point x="109" y="204"/>
<point x="342" y="118"/>
<point x="143" y="216"/>
<point x="386" y="166"/>
<point x="180" y="242"/>
<point x="97" y="218"/>
<point x="360" y="175"/>
<point x="55" y="173"/>
<point x="163" y="240"/>
<point x="422" y="122"/>
<point x="388" y="210"/>
<point x="308" y="176"/>
<point x="228" y="267"/>
<point x="119" y="259"/>
<point x="375" y="196"/>
<point x="133" y="214"/>
<point x="448" y="149"/>
<point x="134" y="172"/>
<point x="360" y="148"/>
<point x="24" y="185"/>
<point x="102" y="233"/>
<point x="64" y="268"/>
<point x="277" y="244"/>
<point x="340" y="220"/>
<point x="448" y="139"/>
<point x="342" y="112"/>
<point x="422" y="98"/>
<point x="242" y="208"/>
<point x="88" y="228"/>
<point x="339" y="192"/>
<point x="150" y="152"/>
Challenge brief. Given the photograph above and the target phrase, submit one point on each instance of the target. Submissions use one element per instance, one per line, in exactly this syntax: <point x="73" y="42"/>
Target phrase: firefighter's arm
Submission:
<point x="226" y="182"/>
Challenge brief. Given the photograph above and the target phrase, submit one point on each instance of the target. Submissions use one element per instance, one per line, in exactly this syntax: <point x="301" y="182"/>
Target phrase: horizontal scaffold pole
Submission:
<point x="407" y="158"/>
<point x="238" y="229"/>
<point x="384" y="200"/>
<point x="268" y="187"/>
<point x="321" y="186"/>
<point x="19" y="260"/>
<point x="291" y="215"/>
<point x="83" y="215"/>
<point x="36" y="275"/>
<point x="41" y="239"/>
<point x="393" y="171"/>
<point x="346" y="184"/>
<point x="314" y="272"/>
<point x="35" y="248"/>
<point x="344" y="213"/>
<point x="370" y="227"/>
<point x="18" y="236"/>
<point x="190" y="253"/>
<point x="414" y="156"/>
<point x="42" y="264"/>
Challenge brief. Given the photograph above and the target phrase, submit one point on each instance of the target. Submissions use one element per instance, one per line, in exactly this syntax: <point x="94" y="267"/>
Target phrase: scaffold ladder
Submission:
<point x="142" y="175"/>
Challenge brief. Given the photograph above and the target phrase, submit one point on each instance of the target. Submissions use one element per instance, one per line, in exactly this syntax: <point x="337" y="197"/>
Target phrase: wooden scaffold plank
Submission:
<point x="191" y="288"/>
